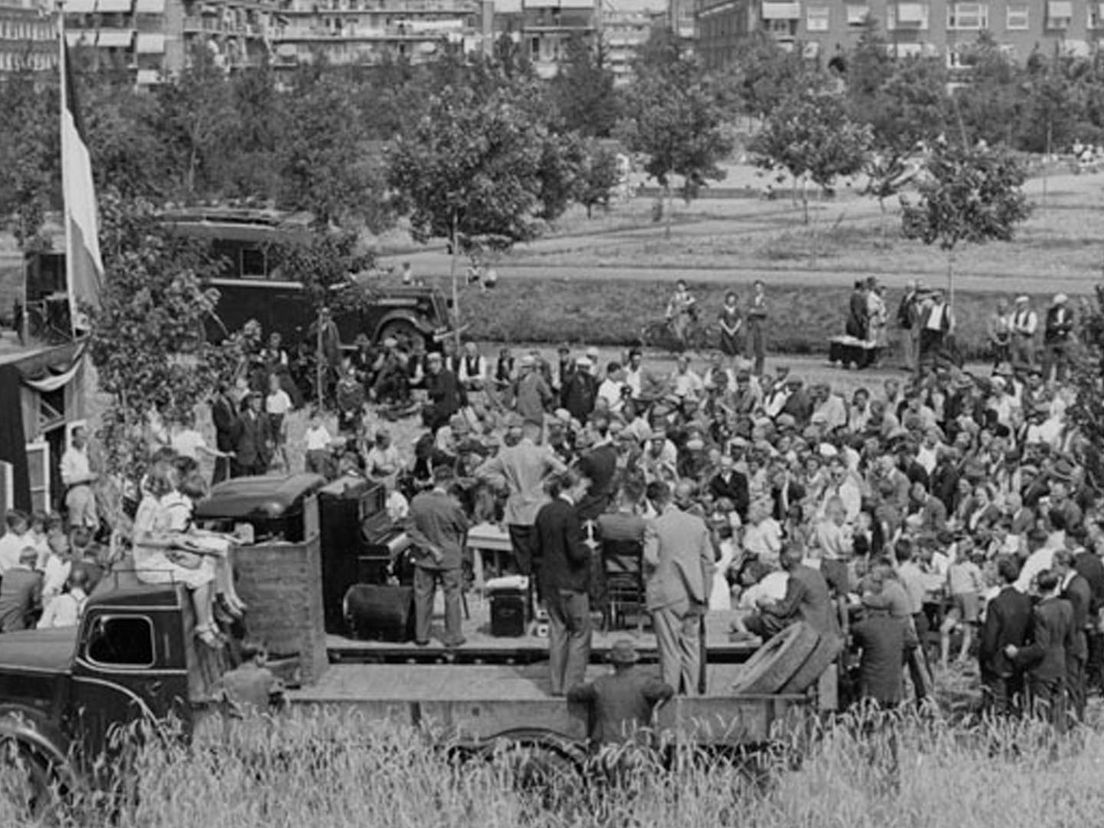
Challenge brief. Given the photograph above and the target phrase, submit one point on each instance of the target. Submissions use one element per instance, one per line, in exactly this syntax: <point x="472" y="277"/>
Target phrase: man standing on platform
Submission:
<point x="437" y="526"/>
<point x="520" y="469"/>
<point x="562" y="564"/>
<point x="756" y="324"/>
<point x="678" y="563"/>
<point x="77" y="476"/>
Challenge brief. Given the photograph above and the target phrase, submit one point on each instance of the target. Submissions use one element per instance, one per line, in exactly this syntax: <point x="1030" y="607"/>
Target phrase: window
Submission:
<point x="907" y="16"/>
<point x="1058" y="14"/>
<point x="121" y="641"/>
<point x="968" y="16"/>
<point x="1017" y="17"/>
<point x="1096" y="20"/>
<point x="856" y="16"/>
<point x="816" y="18"/>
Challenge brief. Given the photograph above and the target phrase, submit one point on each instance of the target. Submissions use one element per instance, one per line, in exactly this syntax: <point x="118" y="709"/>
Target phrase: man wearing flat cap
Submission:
<point x="1057" y="333"/>
<point x="621" y="703"/>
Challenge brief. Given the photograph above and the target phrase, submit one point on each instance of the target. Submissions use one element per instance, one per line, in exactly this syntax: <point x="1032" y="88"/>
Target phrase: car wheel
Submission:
<point x="26" y="782"/>
<point x="827" y="650"/>
<point x="404" y="332"/>
<point x="777" y="661"/>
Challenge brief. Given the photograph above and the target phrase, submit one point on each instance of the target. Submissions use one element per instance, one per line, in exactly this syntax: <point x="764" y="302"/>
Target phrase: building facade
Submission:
<point x="28" y="37"/>
<point x="623" y="32"/>
<point x="545" y="27"/>
<point x="824" y="29"/>
<point x="364" y="31"/>
<point x="154" y="38"/>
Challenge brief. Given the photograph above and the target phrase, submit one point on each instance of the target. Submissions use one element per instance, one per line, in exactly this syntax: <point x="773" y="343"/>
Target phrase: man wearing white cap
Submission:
<point x="1056" y="339"/>
<point x="1024" y="324"/>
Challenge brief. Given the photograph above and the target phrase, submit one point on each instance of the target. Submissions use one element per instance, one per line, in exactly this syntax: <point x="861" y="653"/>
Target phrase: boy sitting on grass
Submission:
<point x="251" y="688"/>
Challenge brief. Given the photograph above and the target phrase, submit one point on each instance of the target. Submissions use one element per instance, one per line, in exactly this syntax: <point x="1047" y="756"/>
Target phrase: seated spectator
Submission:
<point x="20" y="592"/>
<point x="65" y="609"/>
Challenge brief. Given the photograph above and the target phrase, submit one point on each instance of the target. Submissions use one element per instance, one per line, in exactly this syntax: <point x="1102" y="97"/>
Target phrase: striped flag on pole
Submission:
<point x="83" y="266"/>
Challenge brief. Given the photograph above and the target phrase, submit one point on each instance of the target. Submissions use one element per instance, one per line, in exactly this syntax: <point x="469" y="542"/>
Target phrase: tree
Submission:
<point x="811" y="136"/>
<point x="472" y="171"/>
<point x="676" y="122"/>
<point x="763" y="73"/>
<point x="30" y="168"/>
<point x="147" y="340"/>
<point x="970" y="194"/>
<point x="582" y="91"/>
<point x="990" y="107"/>
<point x="597" y="177"/>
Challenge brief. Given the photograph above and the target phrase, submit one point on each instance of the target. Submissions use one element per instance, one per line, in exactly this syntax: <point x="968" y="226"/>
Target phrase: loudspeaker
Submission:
<point x="380" y="613"/>
<point x="508" y="615"/>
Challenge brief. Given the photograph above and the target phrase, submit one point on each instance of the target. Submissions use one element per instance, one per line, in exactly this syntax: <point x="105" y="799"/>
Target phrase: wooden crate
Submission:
<point x="281" y="584"/>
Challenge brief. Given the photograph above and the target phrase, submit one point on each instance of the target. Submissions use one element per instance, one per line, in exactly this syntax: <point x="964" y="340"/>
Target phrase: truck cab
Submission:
<point x="67" y="695"/>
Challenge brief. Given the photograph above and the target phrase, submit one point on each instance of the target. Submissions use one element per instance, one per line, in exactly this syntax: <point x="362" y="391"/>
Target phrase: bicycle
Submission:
<point x="698" y="336"/>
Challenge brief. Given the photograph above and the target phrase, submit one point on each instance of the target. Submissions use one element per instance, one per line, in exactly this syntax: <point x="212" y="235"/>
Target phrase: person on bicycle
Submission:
<point x="681" y="311"/>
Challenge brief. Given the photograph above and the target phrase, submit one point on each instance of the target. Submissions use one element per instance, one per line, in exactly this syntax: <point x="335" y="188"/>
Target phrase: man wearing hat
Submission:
<point x="533" y="395"/>
<point x="621" y="703"/>
<point x="1057" y="331"/>
<point x="252" y="439"/>
<point x="1024" y="324"/>
<point x="581" y="390"/>
<point x="443" y="390"/>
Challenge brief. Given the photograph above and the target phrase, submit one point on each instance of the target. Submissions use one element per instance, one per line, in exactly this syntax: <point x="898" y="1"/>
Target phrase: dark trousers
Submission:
<point x="1048" y="701"/>
<point x="425" y="587"/>
<point x="999" y="693"/>
<point x="523" y="539"/>
<point x="568" y="638"/>
<point x="678" y="639"/>
<point x="255" y="469"/>
<point x="1094" y="667"/>
<point x="1056" y="357"/>
<point x="1075" y="686"/>
<point x="757" y="345"/>
<point x="222" y="470"/>
<point x="916" y="658"/>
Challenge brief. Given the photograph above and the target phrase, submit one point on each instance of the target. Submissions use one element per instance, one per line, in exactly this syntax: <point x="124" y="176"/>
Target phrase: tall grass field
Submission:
<point x="331" y="769"/>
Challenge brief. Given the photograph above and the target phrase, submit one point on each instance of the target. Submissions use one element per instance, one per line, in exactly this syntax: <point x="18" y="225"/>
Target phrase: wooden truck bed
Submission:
<point x="476" y="703"/>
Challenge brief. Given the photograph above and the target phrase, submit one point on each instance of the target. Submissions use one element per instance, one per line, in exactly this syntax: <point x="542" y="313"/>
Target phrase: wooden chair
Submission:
<point x="623" y="567"/>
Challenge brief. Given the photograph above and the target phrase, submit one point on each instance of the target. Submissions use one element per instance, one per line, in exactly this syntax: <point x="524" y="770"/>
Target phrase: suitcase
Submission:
<point x="380" y="613"/>
<point x="508" y="615"/>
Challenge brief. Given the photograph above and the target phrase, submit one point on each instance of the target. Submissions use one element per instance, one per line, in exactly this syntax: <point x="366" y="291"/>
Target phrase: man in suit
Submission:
<point x="225" y="417"/>
<point x="252" y="439"/>
<point x="1089" y="566"/>
<point x="599" y="466"/>
<point x="731" y="484"/>
<point x="443" y="390"/>
<point x="1045" y="657"/>
<point x="621" y="703"/>
<point x="533" y="395"/>
<point x="20" y="592"/>
<point x="520" y="469"/>
<point x="437" y="526"/>
<point x="1076" y="590"/>
<point x="562" y="565"/>
<point x="807" y="599"/>
<point x="1007" y="621"/>
<point x="678" y="565"/>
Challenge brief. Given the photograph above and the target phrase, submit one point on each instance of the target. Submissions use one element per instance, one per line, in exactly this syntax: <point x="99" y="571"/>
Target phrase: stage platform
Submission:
<point x="483" y="648"/>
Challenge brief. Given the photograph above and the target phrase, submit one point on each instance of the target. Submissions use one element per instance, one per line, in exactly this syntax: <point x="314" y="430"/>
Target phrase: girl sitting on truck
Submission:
<point x="160" y="556"/>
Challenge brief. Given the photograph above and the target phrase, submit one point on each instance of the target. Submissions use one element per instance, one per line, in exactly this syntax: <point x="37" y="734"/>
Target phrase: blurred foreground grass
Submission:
<point x="330" y="769"/>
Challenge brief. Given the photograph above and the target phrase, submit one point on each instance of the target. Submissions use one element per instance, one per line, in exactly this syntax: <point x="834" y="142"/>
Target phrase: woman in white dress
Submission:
<point x="159" y="554"/>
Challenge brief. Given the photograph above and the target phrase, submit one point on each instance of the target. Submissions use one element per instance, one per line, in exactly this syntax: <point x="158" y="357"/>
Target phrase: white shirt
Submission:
<point x="54" y="575"/>
<point x="318" y="439"/>
<point x="10" y="547"/>
<point x="278" y="402"/>
<point x="687" y="384"/>
<point x="1036" y="562"/>
<point x="74" y="466"/>
<point x="64" y="610"/>
<point x="610" y="391"/>
<point x="772" y="587"/>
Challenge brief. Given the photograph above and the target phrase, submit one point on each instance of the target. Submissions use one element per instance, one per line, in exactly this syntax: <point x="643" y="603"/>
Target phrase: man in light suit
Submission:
<point x="678" y="564"/>
<point x="437" y="526"/>
<point x="521" y="469"/>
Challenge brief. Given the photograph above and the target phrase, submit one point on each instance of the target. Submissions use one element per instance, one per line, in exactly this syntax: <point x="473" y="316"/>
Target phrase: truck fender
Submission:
<point x="546" y="742"/>
<point x="403" y="316"/>
<point x="43" y="739"/>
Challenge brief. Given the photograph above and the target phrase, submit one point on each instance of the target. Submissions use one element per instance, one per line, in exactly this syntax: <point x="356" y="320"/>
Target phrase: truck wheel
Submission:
<point x="777" y="661"/>
<point x="404" y="331"/>
<point x="827" y="649"/>
<point x="26" y="782"/>
<point x="538" y="764"/>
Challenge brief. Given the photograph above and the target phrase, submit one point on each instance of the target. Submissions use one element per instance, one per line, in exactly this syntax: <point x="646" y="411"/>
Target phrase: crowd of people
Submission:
<point x="938" y="515"/>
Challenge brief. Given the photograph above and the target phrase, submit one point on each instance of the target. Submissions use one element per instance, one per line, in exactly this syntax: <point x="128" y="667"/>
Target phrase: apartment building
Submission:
<point x="28" y="36"/>
<point x="544" y="28"/>
<point x="826" y="28"/>
<point x="363" y="31"/>
<point x="623" y="31"/>
<point x="154" y="38"/>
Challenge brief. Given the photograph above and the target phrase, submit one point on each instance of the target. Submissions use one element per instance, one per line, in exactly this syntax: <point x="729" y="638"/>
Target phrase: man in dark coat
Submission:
<point x="580" y="390"/>
<point x="437" y="527"/>
<point x="1076" y="590"/>
<point x="1007" y="621"/>
<point x="252" y="440"/>
<point x="225" y="416"/>
<point x="621" y="703"/>
<point x="598" y="465"/>
<point x="20" y="592"/>
<point x="1089" y="566"/>
<point x="443" y="390"/>
<point x="562" y="564"/>
<point x="807" y="599"/>
<point x="1045" y="657"/>
<point x="731" y="484"/>
<point x="883" y="640"/>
